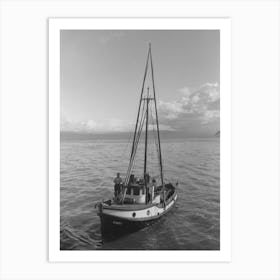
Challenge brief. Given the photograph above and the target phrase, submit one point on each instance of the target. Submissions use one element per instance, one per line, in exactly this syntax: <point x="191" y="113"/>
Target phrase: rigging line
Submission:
<point x="154" y="137"/>
<point x="137" y="138"/>
<point x="136" y="134"/>
<point x="154" y="90"/>
<point x="141" y="120"/>
<point x="139" y="135"/>
<point x="153" y="125"/>
<point x="132" y="164"/>
<point x="142" y="90"/>
<point x="146" y="137"/>
<point x="156" y="143"/>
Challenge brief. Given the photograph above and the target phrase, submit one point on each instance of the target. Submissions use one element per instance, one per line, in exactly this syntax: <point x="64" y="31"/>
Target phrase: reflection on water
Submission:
<point x="87" y="172"/>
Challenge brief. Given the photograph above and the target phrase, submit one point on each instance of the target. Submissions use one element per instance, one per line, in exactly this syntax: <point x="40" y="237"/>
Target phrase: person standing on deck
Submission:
<point x="118" y="182"/>
<point x="152" y="189"/>
<point x="146" y="182"/>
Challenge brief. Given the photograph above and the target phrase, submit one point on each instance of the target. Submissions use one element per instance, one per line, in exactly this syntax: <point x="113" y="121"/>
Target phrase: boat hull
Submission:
<point x="116" y="223"/>
<point x="125" y="219"/>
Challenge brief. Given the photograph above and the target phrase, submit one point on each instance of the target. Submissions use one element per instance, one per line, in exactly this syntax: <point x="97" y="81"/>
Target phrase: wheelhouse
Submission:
<point x="135" y="191"/>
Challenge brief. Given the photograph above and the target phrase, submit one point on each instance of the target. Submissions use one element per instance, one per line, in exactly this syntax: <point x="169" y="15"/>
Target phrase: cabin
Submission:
<point x="136" y="192"/>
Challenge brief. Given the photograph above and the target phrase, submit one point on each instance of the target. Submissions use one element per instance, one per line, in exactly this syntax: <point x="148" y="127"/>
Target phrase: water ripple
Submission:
<point x="86" y="176"/>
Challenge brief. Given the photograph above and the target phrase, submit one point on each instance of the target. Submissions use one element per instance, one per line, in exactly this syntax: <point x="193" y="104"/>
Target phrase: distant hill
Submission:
<point x="164" y="134"/>
<point x="67" y="135"/>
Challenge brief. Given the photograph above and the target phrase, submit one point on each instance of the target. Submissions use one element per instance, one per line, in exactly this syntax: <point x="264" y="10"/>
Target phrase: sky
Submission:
<point x="102" y="73"/>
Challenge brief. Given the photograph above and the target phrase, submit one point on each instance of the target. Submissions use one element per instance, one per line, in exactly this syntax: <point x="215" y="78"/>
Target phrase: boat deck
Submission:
<point x="116" y="205"/>
<point x="131" y="207"/>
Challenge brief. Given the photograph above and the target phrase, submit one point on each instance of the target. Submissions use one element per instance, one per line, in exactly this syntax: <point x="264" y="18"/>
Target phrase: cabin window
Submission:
<point x="134" y="215"/>
<point x="136" y="191"/>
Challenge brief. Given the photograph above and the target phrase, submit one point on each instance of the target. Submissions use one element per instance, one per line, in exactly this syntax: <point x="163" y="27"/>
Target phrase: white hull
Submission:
<point x="149" y="212"/>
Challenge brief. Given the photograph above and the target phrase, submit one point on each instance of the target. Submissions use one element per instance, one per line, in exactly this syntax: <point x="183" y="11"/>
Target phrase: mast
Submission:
<point x="138" y="128"/>
<point x="146" y="136"/>
<point x="146" y="143"/>
<point x="158" y="135"/>
<point x="142" y="90"/>
<point x="137" y="121"/>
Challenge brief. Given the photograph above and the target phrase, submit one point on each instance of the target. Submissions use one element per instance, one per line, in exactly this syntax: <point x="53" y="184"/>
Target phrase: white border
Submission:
<point x="55" y="25"/>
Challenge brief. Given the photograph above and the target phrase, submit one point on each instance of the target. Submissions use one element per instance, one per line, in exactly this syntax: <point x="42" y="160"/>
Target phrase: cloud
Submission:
<point x="194" y="109"/>
<point x="196" y="112"/>
<point x="185" y="91"/>
<point x="171" y="110"/>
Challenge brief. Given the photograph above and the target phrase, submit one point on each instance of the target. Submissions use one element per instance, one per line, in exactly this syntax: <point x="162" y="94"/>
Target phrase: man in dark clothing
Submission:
<point x="118" y="182"/>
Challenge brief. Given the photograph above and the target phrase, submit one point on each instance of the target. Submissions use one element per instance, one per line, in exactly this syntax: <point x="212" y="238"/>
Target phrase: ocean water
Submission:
<point x="88" y="167"/>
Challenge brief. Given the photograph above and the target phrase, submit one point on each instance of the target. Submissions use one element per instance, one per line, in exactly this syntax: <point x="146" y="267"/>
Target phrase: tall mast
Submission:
<point x="159" y="146"/>
<point x="146" y="136"/>
<point x="142" y="90"/>
<point x="137" y="121"/>
<point x="147" y="99"/>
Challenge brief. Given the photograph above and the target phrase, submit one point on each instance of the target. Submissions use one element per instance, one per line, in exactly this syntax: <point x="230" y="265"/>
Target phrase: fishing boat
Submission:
<point x="139" y="201"/>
